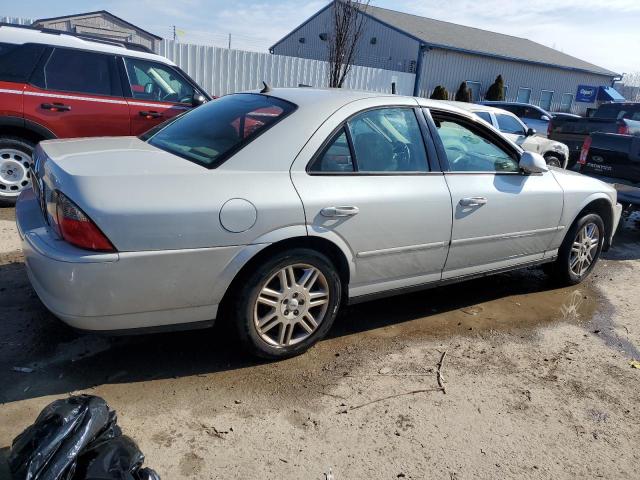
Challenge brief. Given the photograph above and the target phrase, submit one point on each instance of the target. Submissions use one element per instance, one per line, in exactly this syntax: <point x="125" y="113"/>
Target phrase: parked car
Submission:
<point x="58" y="85"/>
<point x="563" y="115"/>
<point x="330" y="197"/>
<point x="614" y="159"/>
<point x="622" y="118"/>
<point x="532" y="115"/>
<point x="556" y="154"/>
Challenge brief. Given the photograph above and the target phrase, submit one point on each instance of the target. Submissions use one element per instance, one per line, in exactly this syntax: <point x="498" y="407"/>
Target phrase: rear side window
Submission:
<point x="484" y="116"/>
<point x="336" y="157"/>
<point x="213" y="132"/>
<point x="18" y="61"/>
<point x="78" y="71"/>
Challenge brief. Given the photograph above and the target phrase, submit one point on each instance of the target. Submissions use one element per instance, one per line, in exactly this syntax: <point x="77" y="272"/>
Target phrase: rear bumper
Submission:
<point x="120" y="291"/>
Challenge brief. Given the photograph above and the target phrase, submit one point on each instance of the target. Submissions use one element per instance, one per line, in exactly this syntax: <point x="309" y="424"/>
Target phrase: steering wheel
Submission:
<point x="401" y="155"/>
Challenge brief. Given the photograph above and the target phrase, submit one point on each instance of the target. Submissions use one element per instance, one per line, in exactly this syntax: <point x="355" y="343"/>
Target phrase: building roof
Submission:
<point x="97" y="12"/>
<point x="440" y="34"/>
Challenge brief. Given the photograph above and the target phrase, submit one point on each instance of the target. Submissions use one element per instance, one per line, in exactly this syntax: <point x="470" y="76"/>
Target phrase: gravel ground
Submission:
<point x="538" y="383"/>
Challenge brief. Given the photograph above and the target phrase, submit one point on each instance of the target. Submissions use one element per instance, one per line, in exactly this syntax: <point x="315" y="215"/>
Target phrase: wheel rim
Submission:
<point x="14" y="171"/>
<point x="291" y="305"/>
<point x="553" y="162"/>
<point x="584" y="249"/>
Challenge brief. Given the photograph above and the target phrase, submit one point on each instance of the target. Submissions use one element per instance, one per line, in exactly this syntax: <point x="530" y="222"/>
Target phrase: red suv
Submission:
<point x="59" y="85"/>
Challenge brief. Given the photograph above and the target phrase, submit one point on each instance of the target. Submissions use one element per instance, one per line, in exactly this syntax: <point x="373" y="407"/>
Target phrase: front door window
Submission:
<point x="157" y="82"/>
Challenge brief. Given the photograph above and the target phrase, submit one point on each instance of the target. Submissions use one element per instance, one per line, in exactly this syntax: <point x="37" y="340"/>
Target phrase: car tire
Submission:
<point x="277" y="317"/>
<point x="580" y="250"/>
<point x="15" y="153"/>
<point x="553" y="161"/>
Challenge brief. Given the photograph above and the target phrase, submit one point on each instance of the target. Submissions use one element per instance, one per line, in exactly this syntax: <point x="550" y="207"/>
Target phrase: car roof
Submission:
<point x="520" y="104"/>
<point x="475" y="107"/>
<point x="325" y="99"/>
<point x="19" y="35"/>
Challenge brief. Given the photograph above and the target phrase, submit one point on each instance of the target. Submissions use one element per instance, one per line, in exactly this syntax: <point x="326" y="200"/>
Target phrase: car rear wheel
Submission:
<point x="287" y="304"/>
<point x="15" y="161"/>
<point x="580" y="250"/>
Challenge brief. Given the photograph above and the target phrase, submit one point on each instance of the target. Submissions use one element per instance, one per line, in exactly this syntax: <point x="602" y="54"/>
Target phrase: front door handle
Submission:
<point x="346" y="211"/>
<point x="55" y="107"/>
<point x="473" y="201"/>
<point x="150" y="114"/>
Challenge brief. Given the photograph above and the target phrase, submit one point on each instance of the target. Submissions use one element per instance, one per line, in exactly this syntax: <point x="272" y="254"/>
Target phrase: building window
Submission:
<point x="475" y="88"/>
<point x="546" y="97"/>
<point x="567" y="102"/>
<point x="524" y="95"/>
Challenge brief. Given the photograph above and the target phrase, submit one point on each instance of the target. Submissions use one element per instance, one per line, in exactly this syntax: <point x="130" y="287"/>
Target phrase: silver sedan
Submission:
<point x="285" y="205"/>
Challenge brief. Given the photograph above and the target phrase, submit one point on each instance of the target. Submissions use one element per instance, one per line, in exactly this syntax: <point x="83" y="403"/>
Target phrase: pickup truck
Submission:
<point x="615" y="159"/>
<point x="619" y="118"/>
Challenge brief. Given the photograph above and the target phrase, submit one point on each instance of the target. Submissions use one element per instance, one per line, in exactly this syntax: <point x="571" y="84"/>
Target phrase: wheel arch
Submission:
<point x="600" y="205"/>
<point x="255" y="256"/>
<point x="26" y="129"/>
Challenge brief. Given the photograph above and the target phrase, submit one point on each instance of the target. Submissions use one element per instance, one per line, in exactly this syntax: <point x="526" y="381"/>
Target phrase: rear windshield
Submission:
<point x="213" y="132"/>
<point x="617" y="110"/>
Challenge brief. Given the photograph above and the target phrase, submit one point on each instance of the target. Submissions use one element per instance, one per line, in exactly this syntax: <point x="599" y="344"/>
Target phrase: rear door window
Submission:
<point x="70" y="70"/>
<point x="18" y="61"/>
<point x="485" y="116"/>
<point x="212" y="132"/>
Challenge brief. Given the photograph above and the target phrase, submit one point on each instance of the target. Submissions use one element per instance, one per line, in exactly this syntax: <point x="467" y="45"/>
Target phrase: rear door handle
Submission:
<point x="56" y="107"/>
<point x="150" y="114"/>
<point x="473" y="201"/>
<point x="346" y="211"/>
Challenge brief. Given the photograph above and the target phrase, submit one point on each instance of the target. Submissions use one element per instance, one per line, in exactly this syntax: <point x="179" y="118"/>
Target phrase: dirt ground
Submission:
<point x="538" y="383"/>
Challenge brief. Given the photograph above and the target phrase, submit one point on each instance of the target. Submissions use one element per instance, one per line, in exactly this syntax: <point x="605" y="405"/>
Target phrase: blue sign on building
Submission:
<point x="586" y="94"/>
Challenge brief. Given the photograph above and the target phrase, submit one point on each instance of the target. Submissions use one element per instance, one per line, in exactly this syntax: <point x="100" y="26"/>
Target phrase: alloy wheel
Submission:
<point x="584" y="249"/>
<point x="291" y="305"/>
<point x="14" y="171"/>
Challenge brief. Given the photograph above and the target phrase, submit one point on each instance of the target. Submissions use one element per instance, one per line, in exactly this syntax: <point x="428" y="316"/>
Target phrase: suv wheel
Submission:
<point x="580" y="250"/>
<point x="553" y="161"/>
<point x="287" y="304"/>
<point x="15" y="160"/>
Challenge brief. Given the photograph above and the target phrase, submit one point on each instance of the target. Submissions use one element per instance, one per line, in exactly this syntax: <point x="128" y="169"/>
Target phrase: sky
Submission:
<point x="605" y="33"/>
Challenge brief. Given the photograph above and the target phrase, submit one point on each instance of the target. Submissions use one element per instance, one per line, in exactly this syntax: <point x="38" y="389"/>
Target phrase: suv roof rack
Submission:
<point x="84" y="36"/>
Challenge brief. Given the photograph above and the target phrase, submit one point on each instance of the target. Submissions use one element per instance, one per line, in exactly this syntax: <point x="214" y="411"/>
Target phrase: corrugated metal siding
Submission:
<point x="392" y="50"/>
<point x="447" y="68"/>
<point x="220" y="71"/>
<point x="16" y="20"/>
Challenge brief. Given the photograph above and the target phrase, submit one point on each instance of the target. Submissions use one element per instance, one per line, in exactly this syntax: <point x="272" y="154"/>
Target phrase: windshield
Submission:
<point x="214" y="131"/>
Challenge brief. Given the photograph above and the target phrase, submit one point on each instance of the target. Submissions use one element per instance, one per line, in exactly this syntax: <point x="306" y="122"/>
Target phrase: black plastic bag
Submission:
<point x="47" y="450"/>
<point x="77" y="439"/>
<point x="114" y="459"/>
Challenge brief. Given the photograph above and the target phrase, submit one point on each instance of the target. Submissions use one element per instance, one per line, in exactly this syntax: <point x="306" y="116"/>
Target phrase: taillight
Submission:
<point x="78" y="229"/>
<point x="623" y="129"/>
<point x="585" y="151"/>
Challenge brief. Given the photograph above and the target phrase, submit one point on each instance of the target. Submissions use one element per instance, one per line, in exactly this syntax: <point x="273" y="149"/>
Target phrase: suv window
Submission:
<point x="508" y="124"/>
<point x="18" y="61"/>
<point x="154" y="81"/>
<point x="209" y="134"/>
<point x="618" y="111"/>
<point x="532" y="113"/>
<point x="77" y="71"/>
<point x="470" y="149"/>
<point x="485" y="116"/>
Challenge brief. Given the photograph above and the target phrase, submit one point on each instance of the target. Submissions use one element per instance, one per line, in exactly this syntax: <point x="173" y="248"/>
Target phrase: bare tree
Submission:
<point x="346" y="29"/>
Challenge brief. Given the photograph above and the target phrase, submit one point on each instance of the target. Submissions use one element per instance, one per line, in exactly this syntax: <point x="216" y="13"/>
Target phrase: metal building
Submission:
<point x="443" y="53"/>
<point x="102" y="24"/>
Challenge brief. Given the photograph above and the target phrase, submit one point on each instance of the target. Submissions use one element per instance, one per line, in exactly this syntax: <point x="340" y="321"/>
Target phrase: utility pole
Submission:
<point x="229" y="41"/>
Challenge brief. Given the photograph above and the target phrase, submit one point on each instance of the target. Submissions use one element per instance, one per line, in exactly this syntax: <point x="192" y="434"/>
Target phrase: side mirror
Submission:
<point x="197" y="99"/>
<point x="531" y="162"/>
<point x="545" y="118"/>
<point x="531" y="132"/>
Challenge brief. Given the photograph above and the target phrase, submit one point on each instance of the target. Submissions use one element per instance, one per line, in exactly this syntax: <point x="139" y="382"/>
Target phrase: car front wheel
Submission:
<point x="287" y="304"/>
<point x="580" y="250"/>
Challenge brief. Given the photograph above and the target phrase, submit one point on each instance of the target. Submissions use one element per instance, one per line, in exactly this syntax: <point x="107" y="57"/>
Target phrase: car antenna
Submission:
<point x="266" y="88"/>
